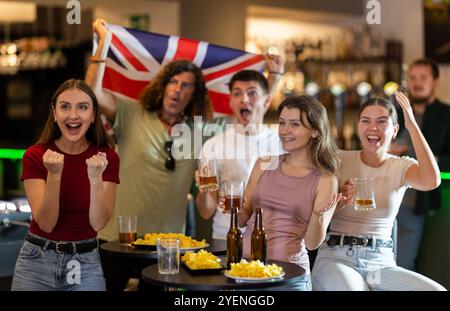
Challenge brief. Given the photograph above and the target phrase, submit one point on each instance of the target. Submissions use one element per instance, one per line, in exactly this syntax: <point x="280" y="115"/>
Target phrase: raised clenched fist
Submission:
<point x="99" y="27"/>
<point x="53" y="162"/>
<point x="96" y="165"/>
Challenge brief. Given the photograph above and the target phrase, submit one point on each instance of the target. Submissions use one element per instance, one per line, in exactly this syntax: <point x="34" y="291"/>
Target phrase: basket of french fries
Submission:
<point x="186" y="242"/>
<point x="254" y="270"/>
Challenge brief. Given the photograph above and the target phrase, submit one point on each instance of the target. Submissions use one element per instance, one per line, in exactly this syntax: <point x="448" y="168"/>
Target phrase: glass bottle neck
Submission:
<point x="233" y="221"/>
<point x="258" y="219"/>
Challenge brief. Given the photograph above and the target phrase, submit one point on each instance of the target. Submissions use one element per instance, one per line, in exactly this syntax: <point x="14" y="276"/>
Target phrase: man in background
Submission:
<point x="433" y="117"/>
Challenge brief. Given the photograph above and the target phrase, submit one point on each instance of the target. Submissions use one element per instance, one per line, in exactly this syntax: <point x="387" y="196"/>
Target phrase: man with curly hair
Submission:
<point x="154" y="185"/>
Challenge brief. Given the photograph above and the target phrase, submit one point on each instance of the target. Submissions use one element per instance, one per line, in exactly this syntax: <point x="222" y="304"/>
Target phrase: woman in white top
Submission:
<point x="358" y="253"/>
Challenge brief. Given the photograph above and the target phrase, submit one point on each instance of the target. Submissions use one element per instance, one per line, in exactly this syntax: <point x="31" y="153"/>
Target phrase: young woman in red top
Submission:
<point x="70" y="178"/>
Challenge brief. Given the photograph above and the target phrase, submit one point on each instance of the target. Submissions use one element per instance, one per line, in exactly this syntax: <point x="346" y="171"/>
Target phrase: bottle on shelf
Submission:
<point x="340" y="139"/>
<point x="355" y="144"/>
<point x="234" y="241"/>
<point x="341" y="47"/>
<point x="259" y="239"/>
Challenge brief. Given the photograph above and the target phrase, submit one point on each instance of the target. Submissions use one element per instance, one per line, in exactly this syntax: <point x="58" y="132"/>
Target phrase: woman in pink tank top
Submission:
<point x="298" y="190"/>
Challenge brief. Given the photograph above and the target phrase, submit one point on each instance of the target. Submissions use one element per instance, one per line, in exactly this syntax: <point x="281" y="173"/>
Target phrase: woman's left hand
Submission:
<point x="327" y="205"/>
<point x="408" y="113"/>
<point x="96" y="165"/>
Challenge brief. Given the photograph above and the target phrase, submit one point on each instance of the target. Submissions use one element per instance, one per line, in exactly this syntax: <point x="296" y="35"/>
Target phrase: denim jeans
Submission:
<point x="365" y="268"/>
<point x="40" y="269"/>
<point x="303" y="285"/>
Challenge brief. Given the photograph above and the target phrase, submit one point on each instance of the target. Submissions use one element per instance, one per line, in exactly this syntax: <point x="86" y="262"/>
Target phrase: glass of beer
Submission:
<point x="364" y="194"/>
<point x="207" y="169"/>
<point x="233" y="192"/>
<point x="127" y="229"/>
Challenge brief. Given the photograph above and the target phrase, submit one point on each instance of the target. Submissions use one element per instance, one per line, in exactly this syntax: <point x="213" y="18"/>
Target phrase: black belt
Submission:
<point x="353" y="240"/>
<point x="63" y="247"/>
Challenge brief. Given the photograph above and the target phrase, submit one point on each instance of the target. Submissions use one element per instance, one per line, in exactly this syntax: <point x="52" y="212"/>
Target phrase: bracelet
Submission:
<point x="96" y="60"/>
<point x="276" y="73"/>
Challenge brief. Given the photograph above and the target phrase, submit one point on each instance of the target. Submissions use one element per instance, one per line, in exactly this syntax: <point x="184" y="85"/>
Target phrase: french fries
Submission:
<point x="254" y="269"/>
<point x="185" y="241"/>
<point x="201" y="260"/>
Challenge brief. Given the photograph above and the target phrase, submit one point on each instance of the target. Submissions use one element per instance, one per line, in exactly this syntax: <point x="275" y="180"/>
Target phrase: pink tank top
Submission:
<point x="287" y="203"/>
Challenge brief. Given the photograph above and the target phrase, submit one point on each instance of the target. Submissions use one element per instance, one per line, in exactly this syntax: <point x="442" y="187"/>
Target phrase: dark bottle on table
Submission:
<point x="234" y="240"/>
<point x="259" y="239"/>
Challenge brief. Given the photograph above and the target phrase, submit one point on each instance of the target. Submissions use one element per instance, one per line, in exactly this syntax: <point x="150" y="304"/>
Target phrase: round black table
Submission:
<point x="217" y="281"/>
<point x="121" y="262"/>
<point x="115" y="249"/>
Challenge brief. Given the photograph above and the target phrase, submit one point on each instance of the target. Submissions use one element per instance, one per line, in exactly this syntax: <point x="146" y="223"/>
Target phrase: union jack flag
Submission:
<point x="136" y="56"/>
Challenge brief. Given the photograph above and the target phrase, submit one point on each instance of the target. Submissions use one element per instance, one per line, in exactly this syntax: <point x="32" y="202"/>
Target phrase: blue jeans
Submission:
<point x="303" y="285"/>
<point x="366" y="268"/>
<point x="40" y="269"/>
<point x="409" y="236"/>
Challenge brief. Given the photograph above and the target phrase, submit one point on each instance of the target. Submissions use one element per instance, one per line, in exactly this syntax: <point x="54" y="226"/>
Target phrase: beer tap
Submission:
<point x="338" y="91"/>
<point x="364" y="89"/>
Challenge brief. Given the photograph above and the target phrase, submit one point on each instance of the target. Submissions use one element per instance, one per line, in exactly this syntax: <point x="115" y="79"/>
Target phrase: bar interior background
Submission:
<point x="327" y="42"/>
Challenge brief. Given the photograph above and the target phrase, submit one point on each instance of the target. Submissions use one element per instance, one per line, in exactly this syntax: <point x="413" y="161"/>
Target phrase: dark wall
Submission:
<point x="39" y="83"/>
<point x="22" y="132"/>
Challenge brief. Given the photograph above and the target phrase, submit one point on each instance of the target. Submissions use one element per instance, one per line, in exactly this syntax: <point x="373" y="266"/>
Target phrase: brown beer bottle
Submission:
<point x="234" y="240"/>
<point x="259" y="239"/>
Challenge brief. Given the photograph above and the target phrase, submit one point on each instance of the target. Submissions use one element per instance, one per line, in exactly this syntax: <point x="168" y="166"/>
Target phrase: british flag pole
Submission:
<point x="136" y="56"/>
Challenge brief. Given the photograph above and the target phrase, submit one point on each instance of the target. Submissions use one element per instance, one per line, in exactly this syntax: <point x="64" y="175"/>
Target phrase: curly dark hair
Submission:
<point x="152" y="95"/>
